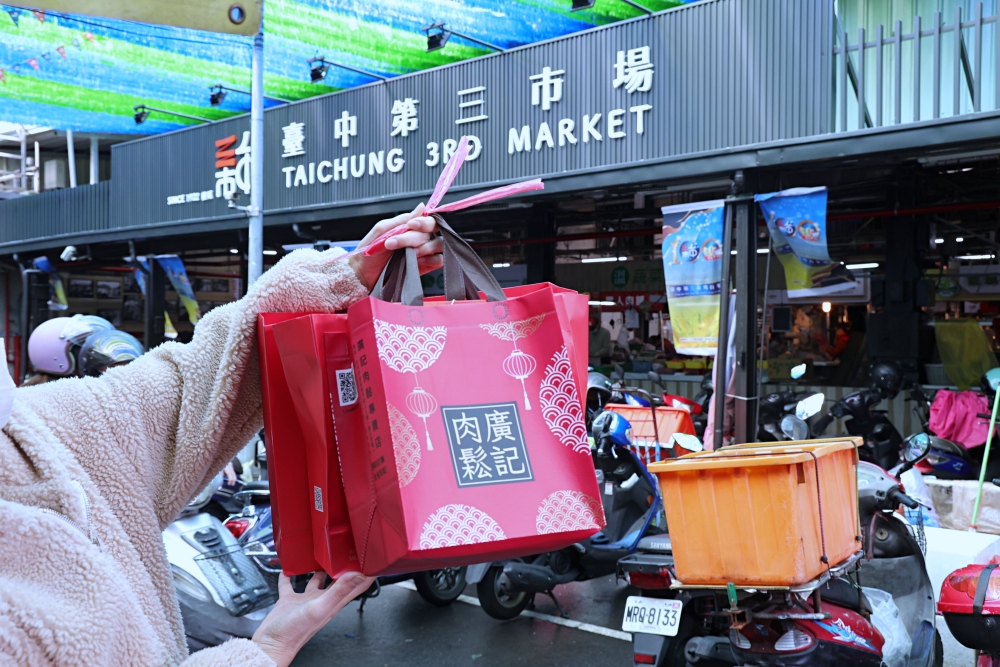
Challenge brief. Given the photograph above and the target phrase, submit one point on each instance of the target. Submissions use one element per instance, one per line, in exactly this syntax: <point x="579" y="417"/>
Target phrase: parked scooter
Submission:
<point x="222" y="594"/>
<point x="698" y="406"/>
<point x="774" y="407"/>
<point x="631" y="502"/>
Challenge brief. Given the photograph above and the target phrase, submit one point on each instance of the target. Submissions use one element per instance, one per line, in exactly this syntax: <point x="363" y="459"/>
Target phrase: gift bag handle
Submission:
<point x="465" y="273"/>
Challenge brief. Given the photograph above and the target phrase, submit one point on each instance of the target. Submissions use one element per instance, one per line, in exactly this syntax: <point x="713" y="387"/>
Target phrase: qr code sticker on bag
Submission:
<point x="318" y="498"/>
<point x="347" y="390"/>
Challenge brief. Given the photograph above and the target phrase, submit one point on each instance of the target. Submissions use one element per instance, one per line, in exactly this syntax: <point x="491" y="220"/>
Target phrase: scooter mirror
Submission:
<point x="810" y="405"/>
<point x="798" y="371"/>
<point x="794" y="428"/>
<point x="687" y="441"/>
<point x="916" y="447"/>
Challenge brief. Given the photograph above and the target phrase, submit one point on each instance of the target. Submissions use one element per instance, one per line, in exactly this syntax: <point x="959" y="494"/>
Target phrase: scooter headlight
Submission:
<point x="794" y="640"/>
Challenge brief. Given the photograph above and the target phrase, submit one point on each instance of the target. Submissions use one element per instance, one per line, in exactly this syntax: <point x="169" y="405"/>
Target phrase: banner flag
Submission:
<point x="796" y="219"/>
<point x="174" y="268"/>
<point x="57" y="300"/>
<point x="169" y="331"/>
<point x="692" y="248"/>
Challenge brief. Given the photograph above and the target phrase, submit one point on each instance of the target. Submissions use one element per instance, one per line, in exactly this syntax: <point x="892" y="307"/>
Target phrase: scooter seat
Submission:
<point x="842" y="592"/>
<point x="256" y="485"/>
<point x="656" y="544"/>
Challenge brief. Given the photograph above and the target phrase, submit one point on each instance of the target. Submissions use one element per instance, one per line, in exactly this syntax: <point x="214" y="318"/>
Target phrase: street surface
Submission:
<point x="399" y="628"/>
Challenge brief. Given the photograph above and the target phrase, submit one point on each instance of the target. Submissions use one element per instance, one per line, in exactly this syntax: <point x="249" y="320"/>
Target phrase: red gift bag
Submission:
<point x="473" y="417"/>
<point x="301" y="346"/>
<point x="286" y="458"/>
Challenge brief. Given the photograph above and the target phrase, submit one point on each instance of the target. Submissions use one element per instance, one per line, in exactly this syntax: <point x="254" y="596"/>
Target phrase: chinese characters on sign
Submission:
<point x="233" y="172"/>
<point x="468" y="104"/>
<point x="294" y="137"/>
<point x="404" y="117"/>
<point x="487" y="444"/>
<point x="634" y="69"/>
<point x="547" y="87"/>
<point x="345" y="127"/>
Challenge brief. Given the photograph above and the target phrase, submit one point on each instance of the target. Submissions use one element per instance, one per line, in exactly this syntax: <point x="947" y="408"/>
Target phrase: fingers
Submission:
<point x="411" y="239"/>
<point x="284" y="586"/>
<point x="345" y="589"/>
<point x="317" y="581"/>
<point x="430" y="263"/>
<point x="385" y="225"/>
<point x="432" y="247"/>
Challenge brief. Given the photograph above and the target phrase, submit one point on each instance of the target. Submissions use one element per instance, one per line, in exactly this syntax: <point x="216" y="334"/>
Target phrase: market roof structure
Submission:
<point x="86" y="74"/>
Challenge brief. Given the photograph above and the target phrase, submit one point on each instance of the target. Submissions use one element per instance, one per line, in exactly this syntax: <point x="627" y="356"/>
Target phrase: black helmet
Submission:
<point x="888" y="377"/>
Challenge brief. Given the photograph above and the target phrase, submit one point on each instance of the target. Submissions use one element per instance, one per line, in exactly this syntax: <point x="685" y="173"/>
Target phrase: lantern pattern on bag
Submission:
<point x="405" y="446"/>
<point x="519" y="365"/>
<point x="455" y="525"/>
<point x="410" y="350"/>
<point x="566" y="511"/>
<point x="561" y="406"/>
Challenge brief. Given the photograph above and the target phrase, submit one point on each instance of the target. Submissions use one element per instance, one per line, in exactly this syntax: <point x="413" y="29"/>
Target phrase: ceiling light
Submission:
<point x="763" y="251"/>
<point x="216" y="98"/>
<point x="501" y="265"/>
<point x="592" y="260"/>
<point x="732" y="252"/>
<point x="938" y="241"/>
<point x="436" y="40"/>
<point x="600" y="303"/>
<point x="234" y="251"/>
<point x="827" y="306"/>
<point x="974" y="257"/>
<point x="865" y="265"/>
<point x="270" y="252"/>
<point x="959" y="239"/>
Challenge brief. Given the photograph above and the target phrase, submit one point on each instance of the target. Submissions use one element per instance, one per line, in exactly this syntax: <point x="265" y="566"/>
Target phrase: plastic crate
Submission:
<point x="649" y="443"/>
<point x="762" y="515"/>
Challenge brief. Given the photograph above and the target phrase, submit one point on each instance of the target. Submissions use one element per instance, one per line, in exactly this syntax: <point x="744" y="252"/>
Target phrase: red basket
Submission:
<point x="649" y="437"/>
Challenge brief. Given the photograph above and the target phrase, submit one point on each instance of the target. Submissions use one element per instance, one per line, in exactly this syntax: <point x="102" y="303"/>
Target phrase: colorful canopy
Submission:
<point x="79" y="73"/>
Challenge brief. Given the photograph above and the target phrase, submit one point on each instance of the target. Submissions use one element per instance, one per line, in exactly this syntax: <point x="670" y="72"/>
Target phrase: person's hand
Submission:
<point x="296" y="617"/>
<point x="229" y="474"/>
<point x="420" y="236"/>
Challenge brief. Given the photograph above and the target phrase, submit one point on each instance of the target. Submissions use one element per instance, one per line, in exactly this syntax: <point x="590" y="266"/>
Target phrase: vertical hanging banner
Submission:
<point x="174" y="268"/>
<point x="692" y="250"/>
<point x="169" y="331"/>
<point x="57" y="294"/>
<point x="796" y="219"/>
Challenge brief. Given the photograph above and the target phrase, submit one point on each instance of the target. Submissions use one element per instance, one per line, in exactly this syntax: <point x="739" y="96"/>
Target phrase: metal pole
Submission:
<point x="95" y="160"/>
<point x="38" y="169"/>
<point x="745" y="376"/>
<point x="719" y="367"/>
<point x="71" y="149"/>
<point x="255" y="250"/>
<point x="22" y="134"/>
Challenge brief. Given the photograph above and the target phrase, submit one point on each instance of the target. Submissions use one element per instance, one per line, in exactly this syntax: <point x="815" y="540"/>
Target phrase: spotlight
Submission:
<point x="581" y="4"/>
<point x="217" y="97"/>
<point x="437" y="40"/>
<point x="141" y="116"/>
<point x="318" y="71"/>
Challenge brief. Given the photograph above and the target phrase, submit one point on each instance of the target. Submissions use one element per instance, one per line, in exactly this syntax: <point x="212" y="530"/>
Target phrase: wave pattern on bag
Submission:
<point x="519" y="365"/>
<point x="409" y="349"/>
<point x="566" y="511"/>
<point x="561" y="405"/>
<point x="455" y="525"/>
<point x="405" y="446"/>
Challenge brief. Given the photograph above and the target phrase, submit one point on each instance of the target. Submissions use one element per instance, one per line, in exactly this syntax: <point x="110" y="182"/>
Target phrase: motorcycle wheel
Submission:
<point x="498" y="598"/>
<point x="938" y="650"/>
<point x="675" y="656"/>
<point x="440" y="587"/>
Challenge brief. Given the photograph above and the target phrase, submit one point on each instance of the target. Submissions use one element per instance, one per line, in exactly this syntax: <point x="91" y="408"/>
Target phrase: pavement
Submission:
<point x="399" y="628"/>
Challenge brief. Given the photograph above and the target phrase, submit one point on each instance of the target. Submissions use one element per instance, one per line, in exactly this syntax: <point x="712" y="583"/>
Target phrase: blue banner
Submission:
<point x="692" y="250"/>
<point x="57" y="293"/>
<point x="796" y="220"/>
<point x="174" y="268"/>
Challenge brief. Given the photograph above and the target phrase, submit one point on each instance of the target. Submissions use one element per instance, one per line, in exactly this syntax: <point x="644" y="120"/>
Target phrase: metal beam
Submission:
<point x="745" y="279"/>
<point x="95" y="160"/>
<point x="71" y="149"/>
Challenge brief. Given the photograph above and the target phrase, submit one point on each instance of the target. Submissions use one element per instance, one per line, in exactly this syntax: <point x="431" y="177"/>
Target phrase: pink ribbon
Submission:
<point x="448" y="175"/>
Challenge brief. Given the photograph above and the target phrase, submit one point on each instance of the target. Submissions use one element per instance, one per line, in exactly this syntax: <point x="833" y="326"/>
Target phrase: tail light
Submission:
<point x="794" y="640"/>
<point x="648" y="581"/>
<point x="238" y="526"/>
<point x="644" y="659"/>
<point x="737" y="639"/>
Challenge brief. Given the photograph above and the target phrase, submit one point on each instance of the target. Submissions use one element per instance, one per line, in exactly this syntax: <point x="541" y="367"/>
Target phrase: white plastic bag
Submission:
<point x="916" y="488"/>
<point x="885" y="618"/>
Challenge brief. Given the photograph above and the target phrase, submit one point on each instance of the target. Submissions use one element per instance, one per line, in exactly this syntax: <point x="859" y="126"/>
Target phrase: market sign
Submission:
<point x="634" y="93"/>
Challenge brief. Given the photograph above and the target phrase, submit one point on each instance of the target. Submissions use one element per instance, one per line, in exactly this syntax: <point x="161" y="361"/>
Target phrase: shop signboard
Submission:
<point x="629" y="95"/>
<point x="692" y="268"/>
<point x="796" y="219"/>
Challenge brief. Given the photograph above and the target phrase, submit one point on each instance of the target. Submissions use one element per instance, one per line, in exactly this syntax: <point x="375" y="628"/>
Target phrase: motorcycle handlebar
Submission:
<point x="822" y="423"/>
<point x="898" y="497"/>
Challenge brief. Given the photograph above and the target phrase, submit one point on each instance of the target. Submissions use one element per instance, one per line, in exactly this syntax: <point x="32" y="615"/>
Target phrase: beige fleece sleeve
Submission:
<point x="242" y="652"/>
<point x="170" y="420"/>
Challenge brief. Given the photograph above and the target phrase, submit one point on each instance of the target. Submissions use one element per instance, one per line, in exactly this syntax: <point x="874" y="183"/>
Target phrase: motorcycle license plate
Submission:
<point x="652" y="616"/>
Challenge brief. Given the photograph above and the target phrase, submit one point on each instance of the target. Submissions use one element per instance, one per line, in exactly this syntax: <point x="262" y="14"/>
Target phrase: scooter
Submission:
<point x="631" y="503"/>
<point x="774" y="407"/>
<point x="221" y="592"/>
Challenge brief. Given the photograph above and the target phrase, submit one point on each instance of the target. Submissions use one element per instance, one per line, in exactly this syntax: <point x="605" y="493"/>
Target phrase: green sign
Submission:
<point x="619" y="276"/>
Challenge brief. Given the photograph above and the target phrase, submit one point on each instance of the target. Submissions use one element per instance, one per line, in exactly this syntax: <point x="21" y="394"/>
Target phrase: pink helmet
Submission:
<point x="49" y="350"/>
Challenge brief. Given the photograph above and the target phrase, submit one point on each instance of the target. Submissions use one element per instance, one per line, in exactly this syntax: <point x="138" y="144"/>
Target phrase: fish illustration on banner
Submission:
<point x="57" y="294"/>
<point x="173" y="266"/>
<point x="169" y="331"/>
<point x="692" y="250"/>
<point x="796" y="219"/>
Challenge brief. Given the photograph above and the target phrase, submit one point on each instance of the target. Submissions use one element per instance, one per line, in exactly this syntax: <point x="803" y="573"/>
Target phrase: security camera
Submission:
<point x="68" y="254"/>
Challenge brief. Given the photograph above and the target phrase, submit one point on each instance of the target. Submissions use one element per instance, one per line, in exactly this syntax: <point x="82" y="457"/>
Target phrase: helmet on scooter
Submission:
<point x="80" y="327"/>
<point x="888" y="377"/>
<point x="989" y="381"/>
<point x="108" y="348"/>
<point x="599" y="384"/>
<point x="49" y="350"/>
<point x="613" y="426"/>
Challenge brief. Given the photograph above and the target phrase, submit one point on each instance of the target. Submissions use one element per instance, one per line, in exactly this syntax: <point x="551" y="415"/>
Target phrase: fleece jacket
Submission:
<point x="93" y="469"/>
